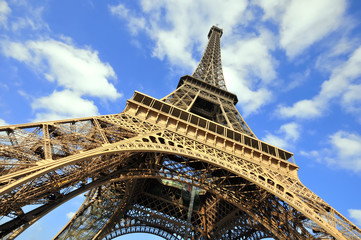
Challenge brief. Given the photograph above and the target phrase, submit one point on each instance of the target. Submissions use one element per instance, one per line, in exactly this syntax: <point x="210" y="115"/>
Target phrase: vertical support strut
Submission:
<point x="190" y="211"/>
<point x="46" y="139"/>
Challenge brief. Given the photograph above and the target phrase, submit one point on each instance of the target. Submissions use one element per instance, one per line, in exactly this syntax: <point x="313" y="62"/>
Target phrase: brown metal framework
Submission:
<point x="137" y="169"/>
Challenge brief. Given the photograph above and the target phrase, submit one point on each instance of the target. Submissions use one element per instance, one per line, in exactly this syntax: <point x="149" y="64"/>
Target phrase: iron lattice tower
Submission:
<point x="185" y="166"/>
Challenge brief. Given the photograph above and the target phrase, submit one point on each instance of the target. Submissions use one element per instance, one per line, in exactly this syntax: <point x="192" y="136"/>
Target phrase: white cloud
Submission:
<point x="249" y="77"/>
<point x="340" y="84"/>
<point x="170" y="24"/>
<point x="4" y="12"/>
<point x="30" y="17"/>
<point x="351" y="100"/>
<point x="343" y="151"/>
<point x="16" y="50"/>
<point x="249" y="100"/>
<point x="63" y="104"/>
<point x="337" y="50"/>
<point x="303" y="22"/>
<point x="304" y="109"/>
<point x="79" y="71"/>
<point x="120" y="10"/>
<point x="273" y="9"/>
<point x="135" y="24"/>
<point x="342" y="46"/>
<point x="167" y="43"/>
<point x="3" y="123"/>
<point x="355" y="214"/>
<point x="286" y="135"/>
<point x="276" y="141"/>
<point x="295" y="80"/>
<point x="315" y="155"/>
<point x="306" y="22"/>
<point x="342" y="76"/>
<point x="258" y="62"/>
<point x="348" y="148"/>
<point x="291" y="131"/>
<point x="70" y="214"/>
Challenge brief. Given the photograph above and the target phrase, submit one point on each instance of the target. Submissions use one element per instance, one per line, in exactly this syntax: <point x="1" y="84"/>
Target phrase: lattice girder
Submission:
<point x="193" y="137"/>
<point x="209" y="68"/>
<point x="21" y="184"/>
<point x="101" y="206"/>
<point x="159" y="201"/>
<point x="191" y="90"/>
<point x="143" y="174"/>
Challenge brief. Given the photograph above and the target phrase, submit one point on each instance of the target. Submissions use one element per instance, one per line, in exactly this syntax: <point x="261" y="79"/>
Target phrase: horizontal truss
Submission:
<point x="84" y="151"/>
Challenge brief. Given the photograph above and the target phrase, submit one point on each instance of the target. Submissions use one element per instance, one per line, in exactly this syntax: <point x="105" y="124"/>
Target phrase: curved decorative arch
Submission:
<point x="141" y="229"/>
<point x="171" y="143"/>
<point x="146" y="175"/>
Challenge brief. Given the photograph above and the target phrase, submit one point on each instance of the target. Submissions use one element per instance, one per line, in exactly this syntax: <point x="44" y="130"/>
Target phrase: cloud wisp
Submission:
<point x="343" y="151"/>
<point x="341" y="84"/>
<point x="3" y="123"/>
<point x="77" y="71"/>
<point x="355" y="214"/>
<point x="286" y="136"/>
<point x="4" y="13"/>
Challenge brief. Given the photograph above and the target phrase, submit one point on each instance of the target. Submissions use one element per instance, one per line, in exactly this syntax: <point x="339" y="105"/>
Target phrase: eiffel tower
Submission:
<point x="186" y="166"/>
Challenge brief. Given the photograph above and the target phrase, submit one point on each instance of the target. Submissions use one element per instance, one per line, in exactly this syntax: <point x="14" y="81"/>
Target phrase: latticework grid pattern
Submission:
<point x="138" y="167"/>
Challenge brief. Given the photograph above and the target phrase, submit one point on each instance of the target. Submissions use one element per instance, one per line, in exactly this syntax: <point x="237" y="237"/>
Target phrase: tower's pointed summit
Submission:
<point x="205" y="93"/>
<point x="209" y="68"/>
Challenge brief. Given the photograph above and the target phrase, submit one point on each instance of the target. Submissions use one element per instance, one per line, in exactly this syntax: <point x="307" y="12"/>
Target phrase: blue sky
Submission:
<point x="294" y="65"/>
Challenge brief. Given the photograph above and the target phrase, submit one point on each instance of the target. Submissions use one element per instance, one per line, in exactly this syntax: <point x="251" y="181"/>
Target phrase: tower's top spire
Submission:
<point x="210" y="67"/>
<point x="217" y="29"/>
